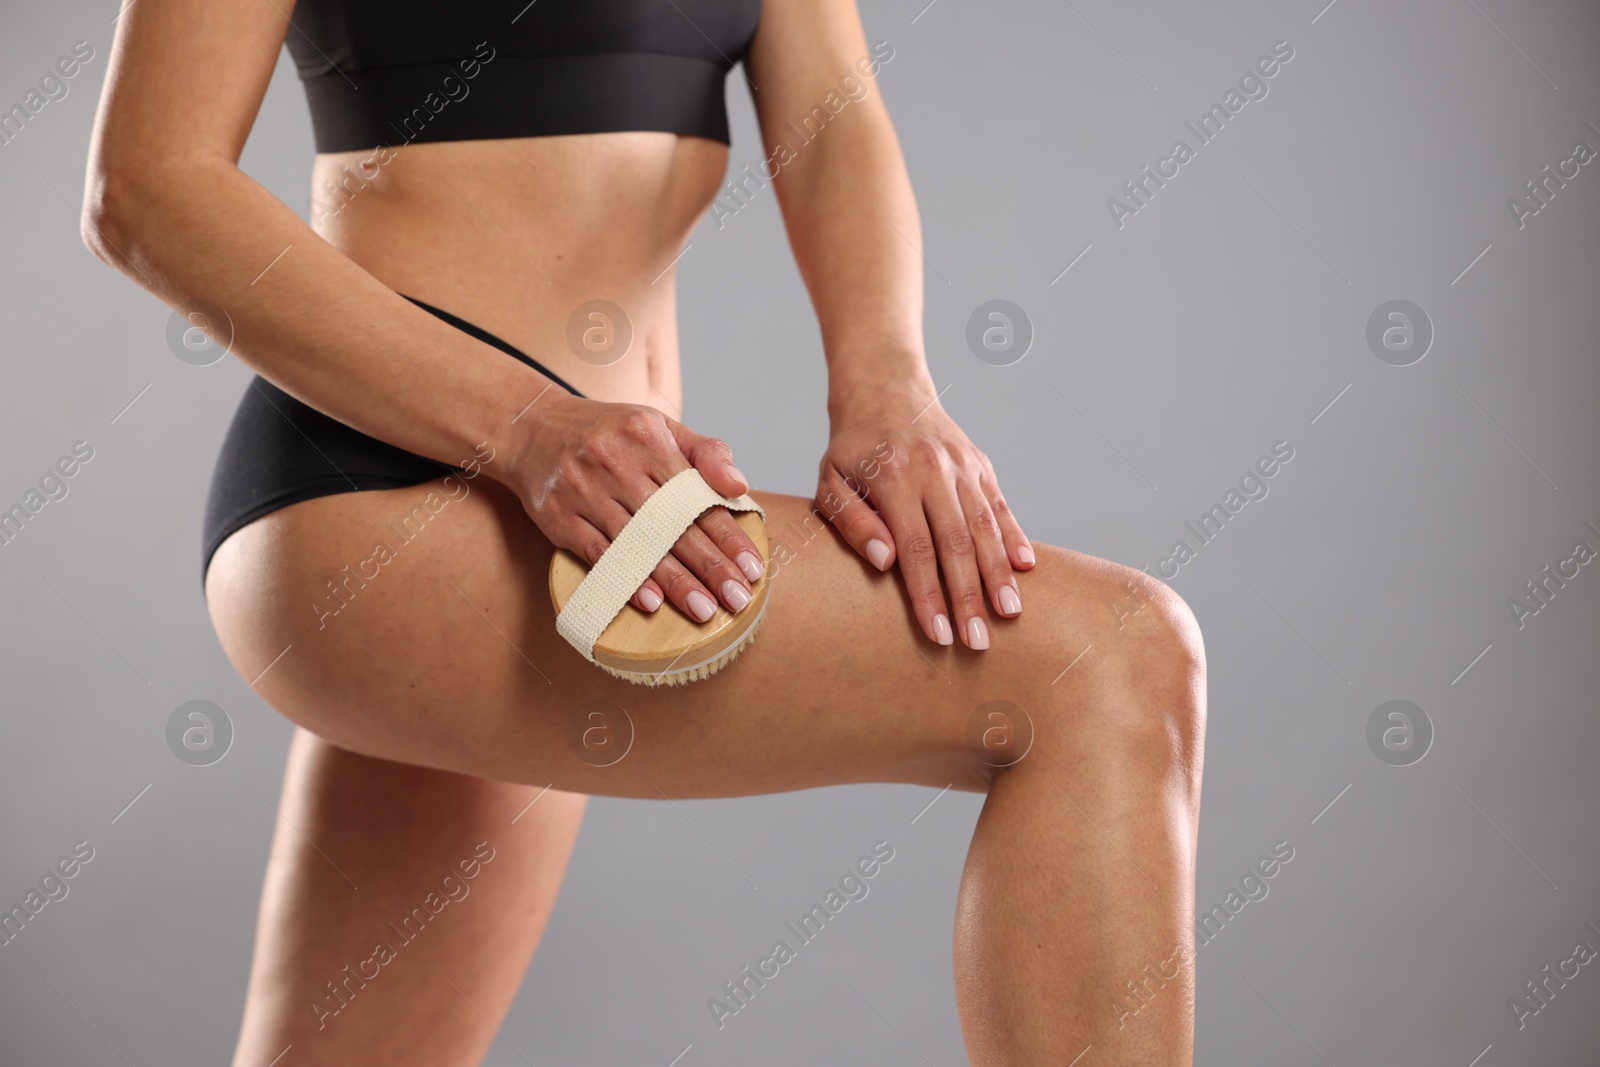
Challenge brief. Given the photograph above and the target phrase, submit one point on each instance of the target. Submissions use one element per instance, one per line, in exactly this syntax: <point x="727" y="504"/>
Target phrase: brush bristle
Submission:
<point x="684" y="677"/>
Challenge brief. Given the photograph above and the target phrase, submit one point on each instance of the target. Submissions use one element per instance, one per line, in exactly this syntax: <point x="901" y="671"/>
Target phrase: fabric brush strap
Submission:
<point x="640" y="546"/>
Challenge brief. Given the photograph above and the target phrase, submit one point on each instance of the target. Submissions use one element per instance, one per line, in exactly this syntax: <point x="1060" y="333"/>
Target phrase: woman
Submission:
<point x="422" y="436"/>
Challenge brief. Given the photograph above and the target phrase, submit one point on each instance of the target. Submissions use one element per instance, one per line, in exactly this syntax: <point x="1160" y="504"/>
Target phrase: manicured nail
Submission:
<point x="735" y="595"/>
<point x="977" y="633"/>
<point x="941" y="630"/>
<point x="648" y="598"/>
<point x="701" y="606"/>
<point x="1025" y="554"/>
<point x="1010" y="602"/>
<point x="737" y="473"/>
<point x="878" y="553"/>
<point x="750" y="565"/>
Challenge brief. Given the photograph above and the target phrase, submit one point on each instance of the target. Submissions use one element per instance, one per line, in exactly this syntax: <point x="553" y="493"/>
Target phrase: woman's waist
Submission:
<point x="607" y="337"/>
<point x="559" y="202"/>
<point x="564" y="250"/>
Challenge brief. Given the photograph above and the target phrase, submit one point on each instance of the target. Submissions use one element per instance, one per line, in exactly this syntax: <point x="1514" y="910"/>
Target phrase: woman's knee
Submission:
<point x="1173" y="660"/>
<point x="1167" y="648"/>
<point x="1133" y="687"/>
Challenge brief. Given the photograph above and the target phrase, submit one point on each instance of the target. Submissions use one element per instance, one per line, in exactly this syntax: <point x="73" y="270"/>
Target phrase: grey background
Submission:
<point x="1223" y="318"/>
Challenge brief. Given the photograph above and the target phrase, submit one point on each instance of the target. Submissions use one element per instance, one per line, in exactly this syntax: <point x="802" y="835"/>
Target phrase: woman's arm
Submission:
<point x="166" y="203"/>
<point x="852" y="222"/>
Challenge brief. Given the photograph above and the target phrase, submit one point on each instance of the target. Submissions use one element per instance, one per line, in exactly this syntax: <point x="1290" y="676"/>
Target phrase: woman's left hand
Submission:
<point x="911" y="487"/>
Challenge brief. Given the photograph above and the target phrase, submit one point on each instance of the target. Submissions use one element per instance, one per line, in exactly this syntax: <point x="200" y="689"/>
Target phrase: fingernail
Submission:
<point x="977" y="633"/>
<point x="1010" y="602"/>
<point x="701" y="606"/>
<point x="735" y="595"/>
<point x="648" y="598"/>
<point x="750" y="565"/>
<point x="941" y="630"/>
<point x="1025" y="554"/>
<point x="878" y="553"/>
<point x="737" y="473"/>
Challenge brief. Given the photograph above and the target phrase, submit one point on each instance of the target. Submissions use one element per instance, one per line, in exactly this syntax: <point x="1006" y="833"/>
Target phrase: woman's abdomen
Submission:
<point x="560" y="245"/>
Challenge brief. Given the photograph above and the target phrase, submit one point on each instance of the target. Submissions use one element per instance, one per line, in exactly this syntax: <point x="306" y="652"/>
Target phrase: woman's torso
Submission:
<point x="518" y="235"/>
<point x="546" y="156"/>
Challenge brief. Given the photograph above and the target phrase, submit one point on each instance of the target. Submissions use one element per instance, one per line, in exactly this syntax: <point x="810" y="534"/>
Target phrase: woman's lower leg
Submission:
<point x="1074" y="920"/>
<point x="400" y="909"/>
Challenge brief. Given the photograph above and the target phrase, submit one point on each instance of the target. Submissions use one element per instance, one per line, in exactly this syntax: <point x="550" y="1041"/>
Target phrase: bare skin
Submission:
<point x="436" y="702"/>
<point x="1078" y="876"/>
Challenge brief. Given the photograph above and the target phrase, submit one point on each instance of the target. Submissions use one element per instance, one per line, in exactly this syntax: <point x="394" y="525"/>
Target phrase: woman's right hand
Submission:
<point x="582" y="469"/>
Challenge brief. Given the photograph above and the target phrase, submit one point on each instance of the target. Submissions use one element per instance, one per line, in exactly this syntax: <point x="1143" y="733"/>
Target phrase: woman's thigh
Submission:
<point x="442" y="651"/>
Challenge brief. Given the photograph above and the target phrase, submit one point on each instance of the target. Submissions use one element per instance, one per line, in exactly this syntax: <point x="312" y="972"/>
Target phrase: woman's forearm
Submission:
<point x="852" y="223"/>
<point x="305" y="316"/>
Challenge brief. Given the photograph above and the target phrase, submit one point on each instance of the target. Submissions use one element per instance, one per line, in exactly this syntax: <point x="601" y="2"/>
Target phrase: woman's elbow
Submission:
<point x="126" y="208"/>
<point x="109" y="211"/>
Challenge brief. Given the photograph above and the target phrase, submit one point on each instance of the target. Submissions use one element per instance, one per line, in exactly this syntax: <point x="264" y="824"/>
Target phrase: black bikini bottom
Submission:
<point x="279" y="451"/>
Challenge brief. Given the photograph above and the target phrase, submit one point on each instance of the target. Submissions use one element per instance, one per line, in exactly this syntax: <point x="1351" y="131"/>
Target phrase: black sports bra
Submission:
<point x="391" y="72"/>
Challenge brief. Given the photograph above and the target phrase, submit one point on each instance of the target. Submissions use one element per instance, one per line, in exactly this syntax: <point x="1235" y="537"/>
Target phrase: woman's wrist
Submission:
<point x="879" y="386"/>
<point x="533" y="433"/>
